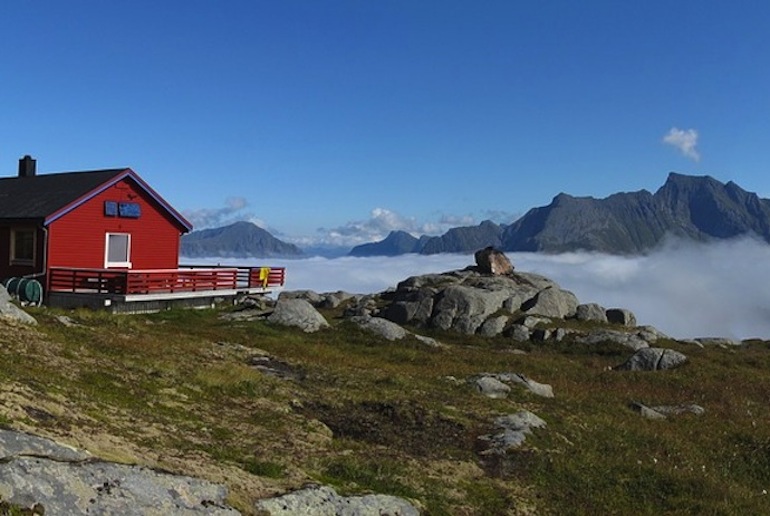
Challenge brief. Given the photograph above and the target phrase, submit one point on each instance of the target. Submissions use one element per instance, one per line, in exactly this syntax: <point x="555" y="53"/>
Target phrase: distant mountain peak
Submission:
<point x="240" y="239"/>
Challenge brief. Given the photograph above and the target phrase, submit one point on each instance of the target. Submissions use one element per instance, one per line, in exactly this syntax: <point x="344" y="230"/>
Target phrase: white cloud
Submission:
<point x="234" y="210"/>
<point x="684" y="140"/>
<point x="684" y="290"/>
<point x="379" y="224"/>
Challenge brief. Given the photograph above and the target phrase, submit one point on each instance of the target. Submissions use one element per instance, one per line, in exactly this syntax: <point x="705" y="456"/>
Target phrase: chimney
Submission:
<point x="27" y="166"/>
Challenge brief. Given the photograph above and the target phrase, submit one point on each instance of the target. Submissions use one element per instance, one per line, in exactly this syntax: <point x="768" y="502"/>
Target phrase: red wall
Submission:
<point x="78" y="239"/>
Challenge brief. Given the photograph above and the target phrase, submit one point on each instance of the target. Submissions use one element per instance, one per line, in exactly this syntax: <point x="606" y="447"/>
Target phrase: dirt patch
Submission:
<point x="405" y="426"/>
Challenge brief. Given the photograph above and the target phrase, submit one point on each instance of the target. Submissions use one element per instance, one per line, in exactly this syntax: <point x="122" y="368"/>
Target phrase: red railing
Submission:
<point x="156" y="281"/>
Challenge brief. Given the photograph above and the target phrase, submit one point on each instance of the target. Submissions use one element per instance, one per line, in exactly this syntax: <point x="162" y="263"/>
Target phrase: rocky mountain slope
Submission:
<point x="691" y="207"/>
<point x="238" y="240"/>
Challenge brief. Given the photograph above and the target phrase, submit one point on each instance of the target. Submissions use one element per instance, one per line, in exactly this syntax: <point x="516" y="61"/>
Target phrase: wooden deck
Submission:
<point x="107" y="287"/>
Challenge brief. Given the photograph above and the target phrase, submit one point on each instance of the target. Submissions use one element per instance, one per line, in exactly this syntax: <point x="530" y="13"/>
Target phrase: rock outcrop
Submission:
<point x="653" y="359"/>
<point x="37" y="472"/>
<point x="298" y="313"/>
<point x="323" y="500"/>
<point x="463" y="300"/>
<point x="510" y="432"/>
<point x="8" y="310"/>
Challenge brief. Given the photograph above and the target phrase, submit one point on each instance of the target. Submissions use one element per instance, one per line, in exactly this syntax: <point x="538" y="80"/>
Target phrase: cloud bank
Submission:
<point x="685" y="290"/>
<point x="684" y="140"/>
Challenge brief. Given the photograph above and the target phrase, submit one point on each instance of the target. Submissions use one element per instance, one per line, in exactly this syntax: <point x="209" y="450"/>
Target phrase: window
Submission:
<point x="118" y="250"/>
<point x="23" y="246"/>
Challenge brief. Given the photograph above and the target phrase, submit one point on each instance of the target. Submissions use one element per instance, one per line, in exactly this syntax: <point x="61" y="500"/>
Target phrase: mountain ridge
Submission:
<point x="237" y="240"/>
<point x="698" y="208"/>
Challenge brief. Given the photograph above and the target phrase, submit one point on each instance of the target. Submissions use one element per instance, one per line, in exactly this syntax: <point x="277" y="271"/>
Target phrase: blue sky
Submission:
<point x="341" y="120"/>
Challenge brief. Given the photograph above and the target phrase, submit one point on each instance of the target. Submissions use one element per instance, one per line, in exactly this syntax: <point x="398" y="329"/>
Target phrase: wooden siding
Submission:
<point x="78" y="238"/>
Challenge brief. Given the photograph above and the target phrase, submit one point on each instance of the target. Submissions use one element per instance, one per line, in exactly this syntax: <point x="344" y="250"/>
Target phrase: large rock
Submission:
<point x="491" y="261"/>
<point x="9" y="311"/>
<point x="541" y="389"/>
<point x="379" y="326"/>
<point x="491" y="387"/>
<point x="552" y="302"/>
<point x="464" y="300"/>
<point x="464" y="308"/>
<point x="64" y="480"/>
<point x="591" y="312"/>
<point x="634" y="341"/>
<point x="511" y="432"/>
<point x="298" y="313"/>
<point x="621" y="316"/>
<point x="653" y="359"/>
<point x="324" y="501"/>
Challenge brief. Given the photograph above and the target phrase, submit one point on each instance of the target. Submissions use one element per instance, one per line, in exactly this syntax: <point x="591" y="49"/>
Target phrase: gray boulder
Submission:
<point x="496" y="385"/>
<point x="720" y="342"/>
<point x="519" y="333"/>
<point x="629" y="340"/>
<point x="653" y="359"/>
<point x="64" y="480"/>
<point x="552" y="302"/>
<point x="379" y="326"/>
<point x="540" y="389"/>
<point x="675" y="410"/>
<point x="298" y="313"/>
<point x="591" y="312"/>
<point x="621" y="316"/>
<point x="493" y="326"/>
<point x="464" y="308"/>
<point x="312" y="297"/>
<point x="324" y="501"/>
<point x="664" y="411"/>
<point x="511" y="432"/>
<point x="491" y="387"/>
<point x="9" y="311"/>
<point x="650" y="334"/>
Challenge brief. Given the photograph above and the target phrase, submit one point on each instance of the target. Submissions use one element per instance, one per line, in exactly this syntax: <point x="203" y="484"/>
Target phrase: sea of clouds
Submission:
<point x="683" y="289"/>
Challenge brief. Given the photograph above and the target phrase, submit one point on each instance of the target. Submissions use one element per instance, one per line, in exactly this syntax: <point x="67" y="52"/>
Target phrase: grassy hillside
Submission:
<point x="180" y="390"/>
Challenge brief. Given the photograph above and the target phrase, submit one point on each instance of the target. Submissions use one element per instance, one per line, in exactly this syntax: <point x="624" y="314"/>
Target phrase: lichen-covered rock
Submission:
<point x="8" y="310"/>
<point x="493" y="326"/>
<point x="464" y="308"/>
<point x="324" y="501"/>
<point x="298" y="313"/>
<point x="491" y="387"/>
<point x="379" y="326"/>
<point x="64" y="480"/>
<point x="519" y="333"/>
<point x="664" y="411"/>
<point x="591" y="312"/>
<point x="552" y="302"/>
<point x="511" y="431"/>
<point x="653" y="359"/>
<point x="541" y="389"/>
<point x="627" y="339"/>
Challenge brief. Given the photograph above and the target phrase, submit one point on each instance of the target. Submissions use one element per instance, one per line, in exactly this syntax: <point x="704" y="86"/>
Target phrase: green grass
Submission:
<point x="176" y="389"/>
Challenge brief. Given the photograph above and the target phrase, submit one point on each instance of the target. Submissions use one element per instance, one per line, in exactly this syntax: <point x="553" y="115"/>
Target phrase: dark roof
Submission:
<point x="41" y="195"/>
<point x="48" y="196"/>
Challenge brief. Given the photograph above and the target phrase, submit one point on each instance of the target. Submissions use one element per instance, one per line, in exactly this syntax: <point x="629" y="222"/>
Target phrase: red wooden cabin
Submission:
<point x="104" y="235"/>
